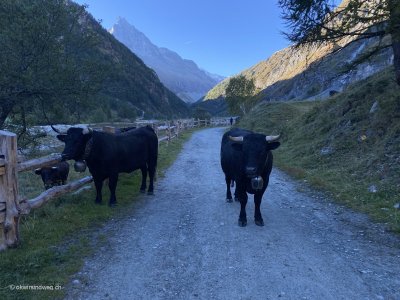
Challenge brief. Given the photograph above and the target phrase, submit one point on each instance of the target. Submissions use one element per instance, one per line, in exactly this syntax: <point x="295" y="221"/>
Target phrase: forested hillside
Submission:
<point x="182" y="76"/>
<point x="59" y="65"/>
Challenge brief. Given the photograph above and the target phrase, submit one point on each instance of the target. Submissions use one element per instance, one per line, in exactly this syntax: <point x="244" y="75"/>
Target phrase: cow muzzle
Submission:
<point x="257" y="183"/>
<point x="251" y="172"/>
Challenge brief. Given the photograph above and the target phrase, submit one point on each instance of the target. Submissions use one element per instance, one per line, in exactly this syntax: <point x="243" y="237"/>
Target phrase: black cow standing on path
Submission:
<point x="54" y="175"/>
<point x="107" y="155"/>
<point x="246" y="159"/>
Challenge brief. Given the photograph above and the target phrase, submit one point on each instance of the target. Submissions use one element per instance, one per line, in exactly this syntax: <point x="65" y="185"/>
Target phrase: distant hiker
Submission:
<point x="231" y="120"/>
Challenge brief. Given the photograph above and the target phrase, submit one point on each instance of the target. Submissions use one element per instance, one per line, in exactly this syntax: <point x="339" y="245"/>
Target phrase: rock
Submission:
<point x="362" y="138"/>
<point x="372" y="188"/>
<point x="374" y="107"/>
<point x="396" y="206"/>
<point x="76" y="281"/>
<point x="327" y="150"/>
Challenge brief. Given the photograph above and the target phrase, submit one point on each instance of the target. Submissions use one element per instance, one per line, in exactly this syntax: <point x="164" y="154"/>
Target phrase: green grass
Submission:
<point x="363" y="148"/>
<point x="56" y="238"/>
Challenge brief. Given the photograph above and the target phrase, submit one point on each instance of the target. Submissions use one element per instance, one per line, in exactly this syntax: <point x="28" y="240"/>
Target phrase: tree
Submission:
<point x="201" y="114"/>
<point x="46" y="66"/>
<point x="239" y="95"/>
<point x="321" y="21"/>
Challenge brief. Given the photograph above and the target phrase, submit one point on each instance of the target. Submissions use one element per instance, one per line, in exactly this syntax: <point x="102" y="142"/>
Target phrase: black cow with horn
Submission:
<point x="246" y="159"/>
<point x="107" y="155"/>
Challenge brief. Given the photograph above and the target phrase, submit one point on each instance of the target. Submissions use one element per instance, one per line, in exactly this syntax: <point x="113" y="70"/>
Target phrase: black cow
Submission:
<point x="54" y="175"/>
<point x="246" y="159"/>
<point x="107" y="155"/>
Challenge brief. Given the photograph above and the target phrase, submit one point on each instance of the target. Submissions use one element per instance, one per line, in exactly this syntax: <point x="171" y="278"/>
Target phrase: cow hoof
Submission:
<point x="112" y="204"/>
<point x="237" y="199"/>
<point x="242" y="223"/>
<point x="97" y="202"/>
<point x="259" y="222"/>
<point x="229" y="200"/>
<point x="150" y="193"/>
<point x="142" y="191"/>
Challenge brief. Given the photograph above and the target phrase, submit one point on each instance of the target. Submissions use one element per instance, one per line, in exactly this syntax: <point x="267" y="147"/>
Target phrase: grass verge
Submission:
<point x="348" y="145"/>
<point x="55" y="239"/>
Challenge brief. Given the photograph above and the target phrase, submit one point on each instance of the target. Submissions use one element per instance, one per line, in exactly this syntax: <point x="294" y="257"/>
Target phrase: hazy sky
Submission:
<point x="222" y="36"/>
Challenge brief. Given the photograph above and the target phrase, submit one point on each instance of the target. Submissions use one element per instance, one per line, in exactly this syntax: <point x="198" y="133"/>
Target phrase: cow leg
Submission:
<point x="152" y="172"/>
<point x="112" y="184"/>
<point x="228" y="189"/>
<point x="236" y="195"/>
<point x="144" y="178"/>
<point x="257" y="212"/>
<point x="99" y="185"/>
<point x="243" y="201"/>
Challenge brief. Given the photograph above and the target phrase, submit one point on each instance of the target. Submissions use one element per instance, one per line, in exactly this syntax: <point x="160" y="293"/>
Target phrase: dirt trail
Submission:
<point x="184" y="243"/>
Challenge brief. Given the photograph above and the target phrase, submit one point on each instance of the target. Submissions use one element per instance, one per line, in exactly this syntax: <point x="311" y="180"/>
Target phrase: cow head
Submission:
<point x="75" y="142"/>
<point x="255" y="148"/>
<point x="49" y="175"/>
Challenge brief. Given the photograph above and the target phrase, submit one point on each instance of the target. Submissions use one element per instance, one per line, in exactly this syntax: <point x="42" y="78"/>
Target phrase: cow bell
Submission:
<point x="257" y="183"/>
<point x="80" y="166"/>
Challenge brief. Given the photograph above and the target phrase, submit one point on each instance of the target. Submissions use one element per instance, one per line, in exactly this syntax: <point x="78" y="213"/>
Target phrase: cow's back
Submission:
<point x="116" y="153"/>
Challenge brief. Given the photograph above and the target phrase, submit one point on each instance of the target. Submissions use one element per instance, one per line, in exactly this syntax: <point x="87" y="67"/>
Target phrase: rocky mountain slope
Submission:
<point x="130" y="84"/>
<point x="310" y="72"/>
<point x="181" y="76"/>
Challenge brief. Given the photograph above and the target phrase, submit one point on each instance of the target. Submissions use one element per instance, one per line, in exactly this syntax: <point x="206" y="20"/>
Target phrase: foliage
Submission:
<point x="47" y="70"/>
<point x="59" y="65"/>
<point x="321" y="21"/>
<point x="342" y="146"/>
<point x="201" y="113"/>
<point x="240" y="95"/>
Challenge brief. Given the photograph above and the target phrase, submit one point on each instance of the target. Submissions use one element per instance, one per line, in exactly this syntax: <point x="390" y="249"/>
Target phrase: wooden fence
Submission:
<point x="12" y="206"/>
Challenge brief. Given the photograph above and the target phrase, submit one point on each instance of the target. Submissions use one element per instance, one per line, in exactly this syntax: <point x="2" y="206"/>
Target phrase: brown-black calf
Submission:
<point x="54" y="175"/>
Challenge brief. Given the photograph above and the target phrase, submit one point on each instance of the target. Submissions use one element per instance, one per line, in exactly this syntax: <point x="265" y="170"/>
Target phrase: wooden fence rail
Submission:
<point x="12" y="207"/>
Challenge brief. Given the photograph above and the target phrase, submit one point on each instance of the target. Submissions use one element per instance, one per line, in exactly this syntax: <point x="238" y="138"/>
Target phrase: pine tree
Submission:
<point x="321" y="21"/>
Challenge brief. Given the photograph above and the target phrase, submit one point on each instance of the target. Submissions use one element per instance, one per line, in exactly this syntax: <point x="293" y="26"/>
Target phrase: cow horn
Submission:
<point x="272" y="138"/>
<point x="54" y="168"/>
<point x="87" y="130"/>
<point x="55" y="129"/>
<point x="238" y="139"/>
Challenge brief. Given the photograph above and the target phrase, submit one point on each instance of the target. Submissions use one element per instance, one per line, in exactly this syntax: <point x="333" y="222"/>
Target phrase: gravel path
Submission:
<point x="184" y="243"/>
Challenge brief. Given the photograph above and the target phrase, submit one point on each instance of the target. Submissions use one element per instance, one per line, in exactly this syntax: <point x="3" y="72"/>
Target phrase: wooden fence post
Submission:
<point x="9" y="219"/>
<point x="169" y="131"/>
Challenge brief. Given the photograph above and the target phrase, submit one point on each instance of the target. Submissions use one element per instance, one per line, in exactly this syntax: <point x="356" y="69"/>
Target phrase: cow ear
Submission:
<point x="237" y="147"/>
<point x="61" y="137"/>
<point x="273" y="145"/>
<point x="38" y="171"/>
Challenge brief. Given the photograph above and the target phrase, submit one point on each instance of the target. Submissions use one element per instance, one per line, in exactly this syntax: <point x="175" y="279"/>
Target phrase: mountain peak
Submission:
<point x="182" y="76"/>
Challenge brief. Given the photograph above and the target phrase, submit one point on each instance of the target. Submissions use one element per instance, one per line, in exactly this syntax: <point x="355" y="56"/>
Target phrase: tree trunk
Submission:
<point x="5" y="110"/>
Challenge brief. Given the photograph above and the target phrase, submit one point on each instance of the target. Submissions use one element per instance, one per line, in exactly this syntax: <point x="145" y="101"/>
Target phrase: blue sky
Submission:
<point x="222" y="36"/>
